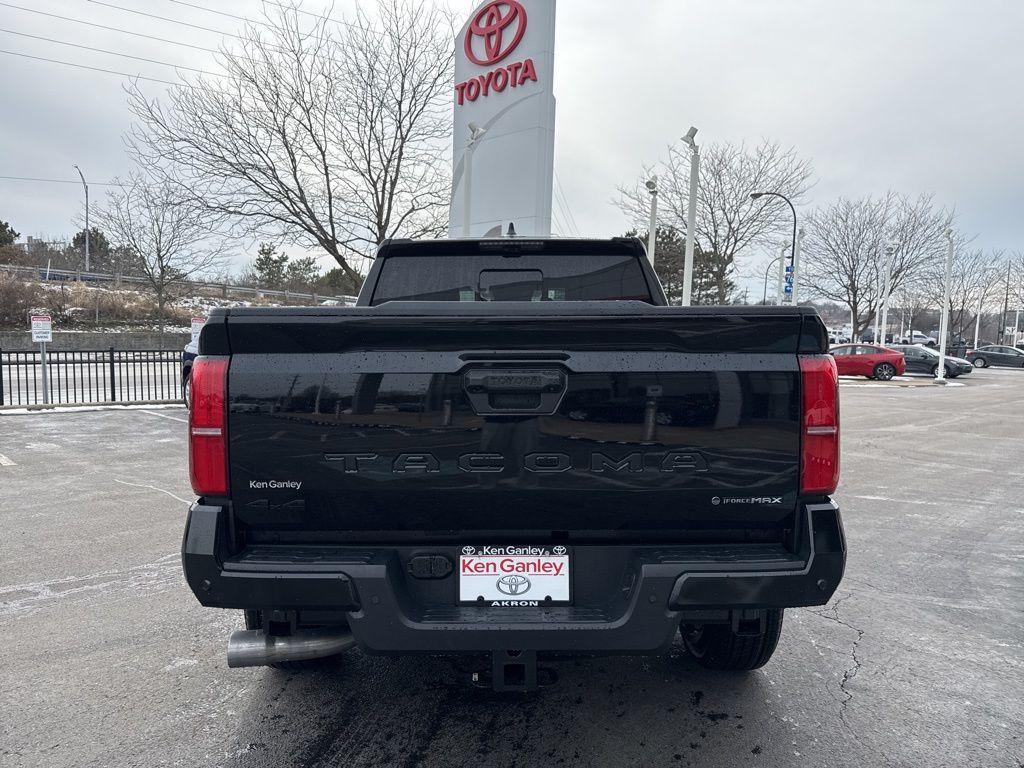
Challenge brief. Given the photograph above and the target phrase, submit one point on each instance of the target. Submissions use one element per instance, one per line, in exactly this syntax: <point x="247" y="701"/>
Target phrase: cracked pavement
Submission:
<point x="108" y="659"/>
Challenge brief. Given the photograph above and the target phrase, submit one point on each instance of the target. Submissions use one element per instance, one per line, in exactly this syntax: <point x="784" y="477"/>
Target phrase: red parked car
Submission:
<point x="867" y="360"/>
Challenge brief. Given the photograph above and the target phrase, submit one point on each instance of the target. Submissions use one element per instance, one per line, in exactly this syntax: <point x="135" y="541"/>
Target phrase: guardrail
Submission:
<point x="93" y="376"/>
<point x="69" y="275"/>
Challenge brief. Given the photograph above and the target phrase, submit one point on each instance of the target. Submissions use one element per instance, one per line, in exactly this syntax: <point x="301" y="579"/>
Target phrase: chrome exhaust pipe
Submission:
<point x="253" y="648"/>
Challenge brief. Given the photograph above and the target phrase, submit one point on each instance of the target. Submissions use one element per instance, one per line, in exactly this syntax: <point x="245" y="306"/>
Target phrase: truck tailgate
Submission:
<point x="530" y="418"/>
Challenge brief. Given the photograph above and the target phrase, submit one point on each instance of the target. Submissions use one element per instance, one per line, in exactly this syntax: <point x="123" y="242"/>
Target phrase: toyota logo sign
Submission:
<point x="495" y="32"/>
<point x="513" y="584"/>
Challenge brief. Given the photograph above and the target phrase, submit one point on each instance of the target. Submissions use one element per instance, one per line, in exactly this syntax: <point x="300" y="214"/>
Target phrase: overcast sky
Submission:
<point x="912" y="95"/>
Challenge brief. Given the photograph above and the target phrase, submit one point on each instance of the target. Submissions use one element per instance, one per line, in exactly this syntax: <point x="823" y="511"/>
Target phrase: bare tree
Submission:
<point x="976" y="277"/>
<point x="845" y="249"/>
<point x="729" y="223"/>
<point x="167" y="237"/>
<point x="322" y="135"/>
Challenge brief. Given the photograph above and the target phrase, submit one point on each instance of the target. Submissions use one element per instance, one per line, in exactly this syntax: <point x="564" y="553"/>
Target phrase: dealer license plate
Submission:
<point x="514" y="576"/>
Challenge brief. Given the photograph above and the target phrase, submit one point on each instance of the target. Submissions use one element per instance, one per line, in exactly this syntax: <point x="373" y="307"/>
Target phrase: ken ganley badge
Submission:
<point x="514" y="575"/>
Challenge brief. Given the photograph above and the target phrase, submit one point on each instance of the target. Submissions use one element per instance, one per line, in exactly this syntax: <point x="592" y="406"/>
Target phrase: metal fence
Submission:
<point x="93" y="376"/>
<point x="70" y="275"/>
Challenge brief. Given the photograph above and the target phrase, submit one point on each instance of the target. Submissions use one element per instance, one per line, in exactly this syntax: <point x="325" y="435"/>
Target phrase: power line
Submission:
<point x="257" y="21"/>
<point x="95" y="69"/>
<point x="57" y="181"/>
<point x="564" y="229"/>
<point x="198" y="26"/>
<point x="111" y="53"/>
<point x="110" y="29"/>
<point x="567" y="209"/>
<point x="306" y="13"/>
<point x="164" y="18"/>
<point x="564" y="204"/>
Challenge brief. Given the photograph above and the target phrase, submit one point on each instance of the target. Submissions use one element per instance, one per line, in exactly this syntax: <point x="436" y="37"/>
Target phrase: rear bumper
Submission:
<point x="638" y="595"/>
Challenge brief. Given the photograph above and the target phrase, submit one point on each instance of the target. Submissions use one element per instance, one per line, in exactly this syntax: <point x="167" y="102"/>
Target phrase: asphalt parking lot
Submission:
<point x="917" y="661"/>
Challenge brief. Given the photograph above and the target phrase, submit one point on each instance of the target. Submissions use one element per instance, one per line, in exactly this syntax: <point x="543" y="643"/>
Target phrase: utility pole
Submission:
<point x="86" y="186"/>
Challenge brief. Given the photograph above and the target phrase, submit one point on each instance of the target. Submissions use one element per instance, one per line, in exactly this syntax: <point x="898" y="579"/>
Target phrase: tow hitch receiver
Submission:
<point x="513" y="670"/>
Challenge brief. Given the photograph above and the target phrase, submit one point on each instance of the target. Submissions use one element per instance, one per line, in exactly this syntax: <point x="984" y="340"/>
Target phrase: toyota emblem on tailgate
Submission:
<point x="513" y="584"/>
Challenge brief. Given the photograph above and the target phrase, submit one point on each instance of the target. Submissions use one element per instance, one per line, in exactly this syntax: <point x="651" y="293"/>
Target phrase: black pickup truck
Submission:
<point x="513" y="448"/>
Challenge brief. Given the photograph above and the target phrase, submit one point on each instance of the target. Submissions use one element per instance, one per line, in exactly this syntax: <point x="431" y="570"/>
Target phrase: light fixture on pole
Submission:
<point x="944" y="322"/>
<point x="691" y="214"/>
<point x="886" y="279"/>
<point x="652" y="230"/>
<point x="782" y="274"/>
<point x="796" y="262"/>
<point x="86" y="186"/>
<point x="792" y="253"/>
<point x="475" y="134"/>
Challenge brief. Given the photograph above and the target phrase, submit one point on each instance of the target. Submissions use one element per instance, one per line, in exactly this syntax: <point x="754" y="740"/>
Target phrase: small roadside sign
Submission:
<point x="42" y="329"/>
<point x="197" y="327"/>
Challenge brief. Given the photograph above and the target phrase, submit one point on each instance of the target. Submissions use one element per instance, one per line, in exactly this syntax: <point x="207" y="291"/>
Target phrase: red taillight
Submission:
<point x="207" y="427"/>
<point x="819" y="454"/>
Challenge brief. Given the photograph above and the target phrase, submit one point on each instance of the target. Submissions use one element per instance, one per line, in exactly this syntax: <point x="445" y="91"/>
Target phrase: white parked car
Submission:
<point x="916" y="337"/>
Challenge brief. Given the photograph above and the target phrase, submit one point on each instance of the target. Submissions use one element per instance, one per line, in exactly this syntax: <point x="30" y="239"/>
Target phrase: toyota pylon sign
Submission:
<point x="504" y="69"/>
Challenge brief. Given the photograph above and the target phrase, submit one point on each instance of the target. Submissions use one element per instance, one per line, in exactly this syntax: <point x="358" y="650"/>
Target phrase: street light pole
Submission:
<point x="796" y="263"/>
<point x="764" y="299"/>
<point x="691" y="215"/>
<point x="886" y="277"/>
<point x="977" y="321"/>
<point x="1006" y="306"/>
<point x="86" y="186"/>
<point x="792" y="253"/>
<point x="475" y="134"/>
<point x="652" y="229"/>
<point x="981" y="297"/>
<point x="782" y="274"/>
<point x="944" y="321"/>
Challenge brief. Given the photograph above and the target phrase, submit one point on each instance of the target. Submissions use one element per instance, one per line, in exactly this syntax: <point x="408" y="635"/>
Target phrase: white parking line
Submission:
<point x="153" y="488"/>
<point x="165" y="416"/>
<point x="5" y="462"/>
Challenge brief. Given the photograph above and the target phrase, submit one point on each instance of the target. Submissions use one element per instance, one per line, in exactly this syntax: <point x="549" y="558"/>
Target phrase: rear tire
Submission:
<point x="979" y="362"/>
<point x="885" y="371"/>
<point x="716" y="646"/>
<point x="254" y="620"/>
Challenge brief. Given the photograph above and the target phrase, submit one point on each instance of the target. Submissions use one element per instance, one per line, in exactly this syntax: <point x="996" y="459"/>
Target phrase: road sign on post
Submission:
<point x="42" y="334"/>
<point x="197" y="328"/>
<point x="42" y="329"/>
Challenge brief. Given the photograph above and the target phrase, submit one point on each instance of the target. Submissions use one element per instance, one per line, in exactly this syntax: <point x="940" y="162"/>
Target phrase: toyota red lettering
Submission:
<point x="493" y="34"/>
